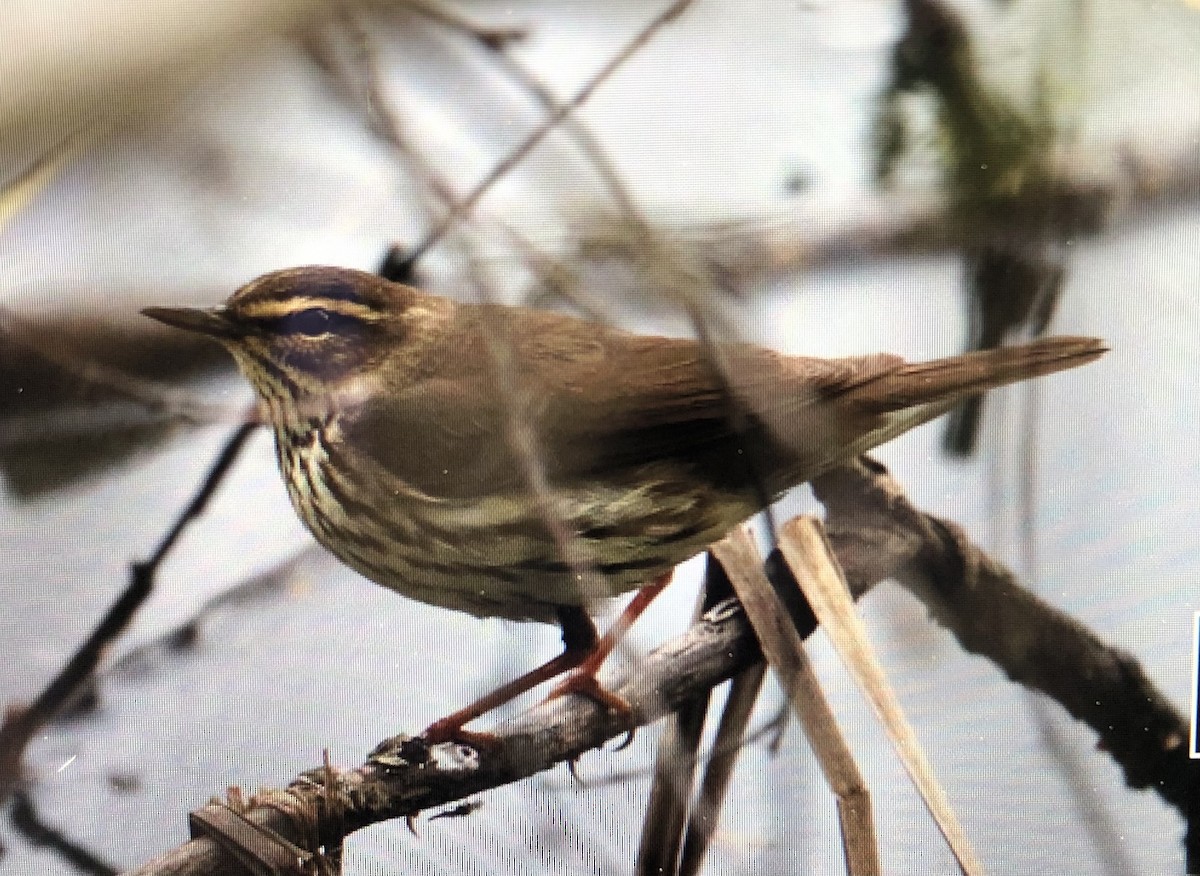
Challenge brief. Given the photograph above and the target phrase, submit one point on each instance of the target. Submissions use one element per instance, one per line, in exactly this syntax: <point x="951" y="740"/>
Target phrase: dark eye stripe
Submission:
<point x="312" y="322"/>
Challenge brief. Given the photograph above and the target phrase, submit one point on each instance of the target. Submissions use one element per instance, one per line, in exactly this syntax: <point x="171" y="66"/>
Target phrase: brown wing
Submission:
<point x="509" y="385"/>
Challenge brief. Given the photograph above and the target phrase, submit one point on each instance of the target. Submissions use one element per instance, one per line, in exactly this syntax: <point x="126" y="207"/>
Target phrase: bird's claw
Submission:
<point x="585" y="684"/>
<point x="442" y="731"/>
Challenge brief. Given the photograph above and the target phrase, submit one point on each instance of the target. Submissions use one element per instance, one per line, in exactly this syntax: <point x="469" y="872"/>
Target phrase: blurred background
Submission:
<point x="824" y="178"/>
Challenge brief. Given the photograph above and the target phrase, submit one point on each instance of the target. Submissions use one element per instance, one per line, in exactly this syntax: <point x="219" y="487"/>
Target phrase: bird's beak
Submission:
<point x="215" y="323"/>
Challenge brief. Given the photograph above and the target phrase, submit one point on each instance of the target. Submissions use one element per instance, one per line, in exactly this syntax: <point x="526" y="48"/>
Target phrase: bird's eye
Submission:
<point x="312" y="323"/>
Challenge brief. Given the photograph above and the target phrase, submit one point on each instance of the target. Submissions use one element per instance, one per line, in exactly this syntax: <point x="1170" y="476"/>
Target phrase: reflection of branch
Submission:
<point x="235" y="598"/>
<point x="876" y="533"/>
<point x="1098" y="191"/>
<point x="149" y="395"/>
<point x="25" y="818"/>
<point x="27" y="822"/>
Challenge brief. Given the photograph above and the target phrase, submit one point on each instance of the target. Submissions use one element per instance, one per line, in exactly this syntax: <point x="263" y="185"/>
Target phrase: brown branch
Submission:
<point x="876" y="534"/>
<point x="404" y="776"/>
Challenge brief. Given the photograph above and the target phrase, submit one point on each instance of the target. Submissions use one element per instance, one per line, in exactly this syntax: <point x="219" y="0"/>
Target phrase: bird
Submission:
<point x="523" y="463"/>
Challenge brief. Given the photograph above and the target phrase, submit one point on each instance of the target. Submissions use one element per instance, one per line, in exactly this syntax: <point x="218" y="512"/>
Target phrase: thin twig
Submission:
<point x="465" y="206"/>
<point x="380" y="103"/>
<point x="22" y="722"/>
<point x="526" y="447"/>
<point x="571" y="124"/>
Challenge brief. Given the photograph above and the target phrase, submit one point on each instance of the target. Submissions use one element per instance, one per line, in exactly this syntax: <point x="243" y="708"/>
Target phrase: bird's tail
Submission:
<point x="913" y="393"/>
<point x="957" y="377"/>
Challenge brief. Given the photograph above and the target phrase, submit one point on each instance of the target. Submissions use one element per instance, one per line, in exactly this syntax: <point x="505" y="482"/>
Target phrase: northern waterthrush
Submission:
<point x="519" y="463"/>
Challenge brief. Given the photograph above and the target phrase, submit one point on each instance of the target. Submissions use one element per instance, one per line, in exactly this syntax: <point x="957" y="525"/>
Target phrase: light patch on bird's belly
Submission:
<point x="581" y="545"/>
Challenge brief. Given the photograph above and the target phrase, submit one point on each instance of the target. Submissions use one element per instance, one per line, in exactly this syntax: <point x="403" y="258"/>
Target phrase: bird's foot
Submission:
<point x="587" y="685"/>
<point x="584" y="683"/>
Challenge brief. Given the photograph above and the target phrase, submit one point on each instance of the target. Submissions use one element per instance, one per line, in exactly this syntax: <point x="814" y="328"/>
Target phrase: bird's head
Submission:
<point x="313" y="330"/>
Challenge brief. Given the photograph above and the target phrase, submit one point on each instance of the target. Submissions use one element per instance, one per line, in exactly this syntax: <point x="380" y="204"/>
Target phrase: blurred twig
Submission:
<point x="465" y="205"/>
<point x="384" y="113"/>
<point x="79" y="404"/>
<point x="997" y="158"/>
<point x="439" y="194"/>
<point x="1101" y="190"/>
<point x="149" y="395"/>
<point x="17" y="193"/>
<point x="497" y="43"/>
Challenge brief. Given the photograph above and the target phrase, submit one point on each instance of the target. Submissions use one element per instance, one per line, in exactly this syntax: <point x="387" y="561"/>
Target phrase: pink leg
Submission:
<point x="582" y="650"/>
<point x="583" y="680"/>
<point x="579" y="638"/>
